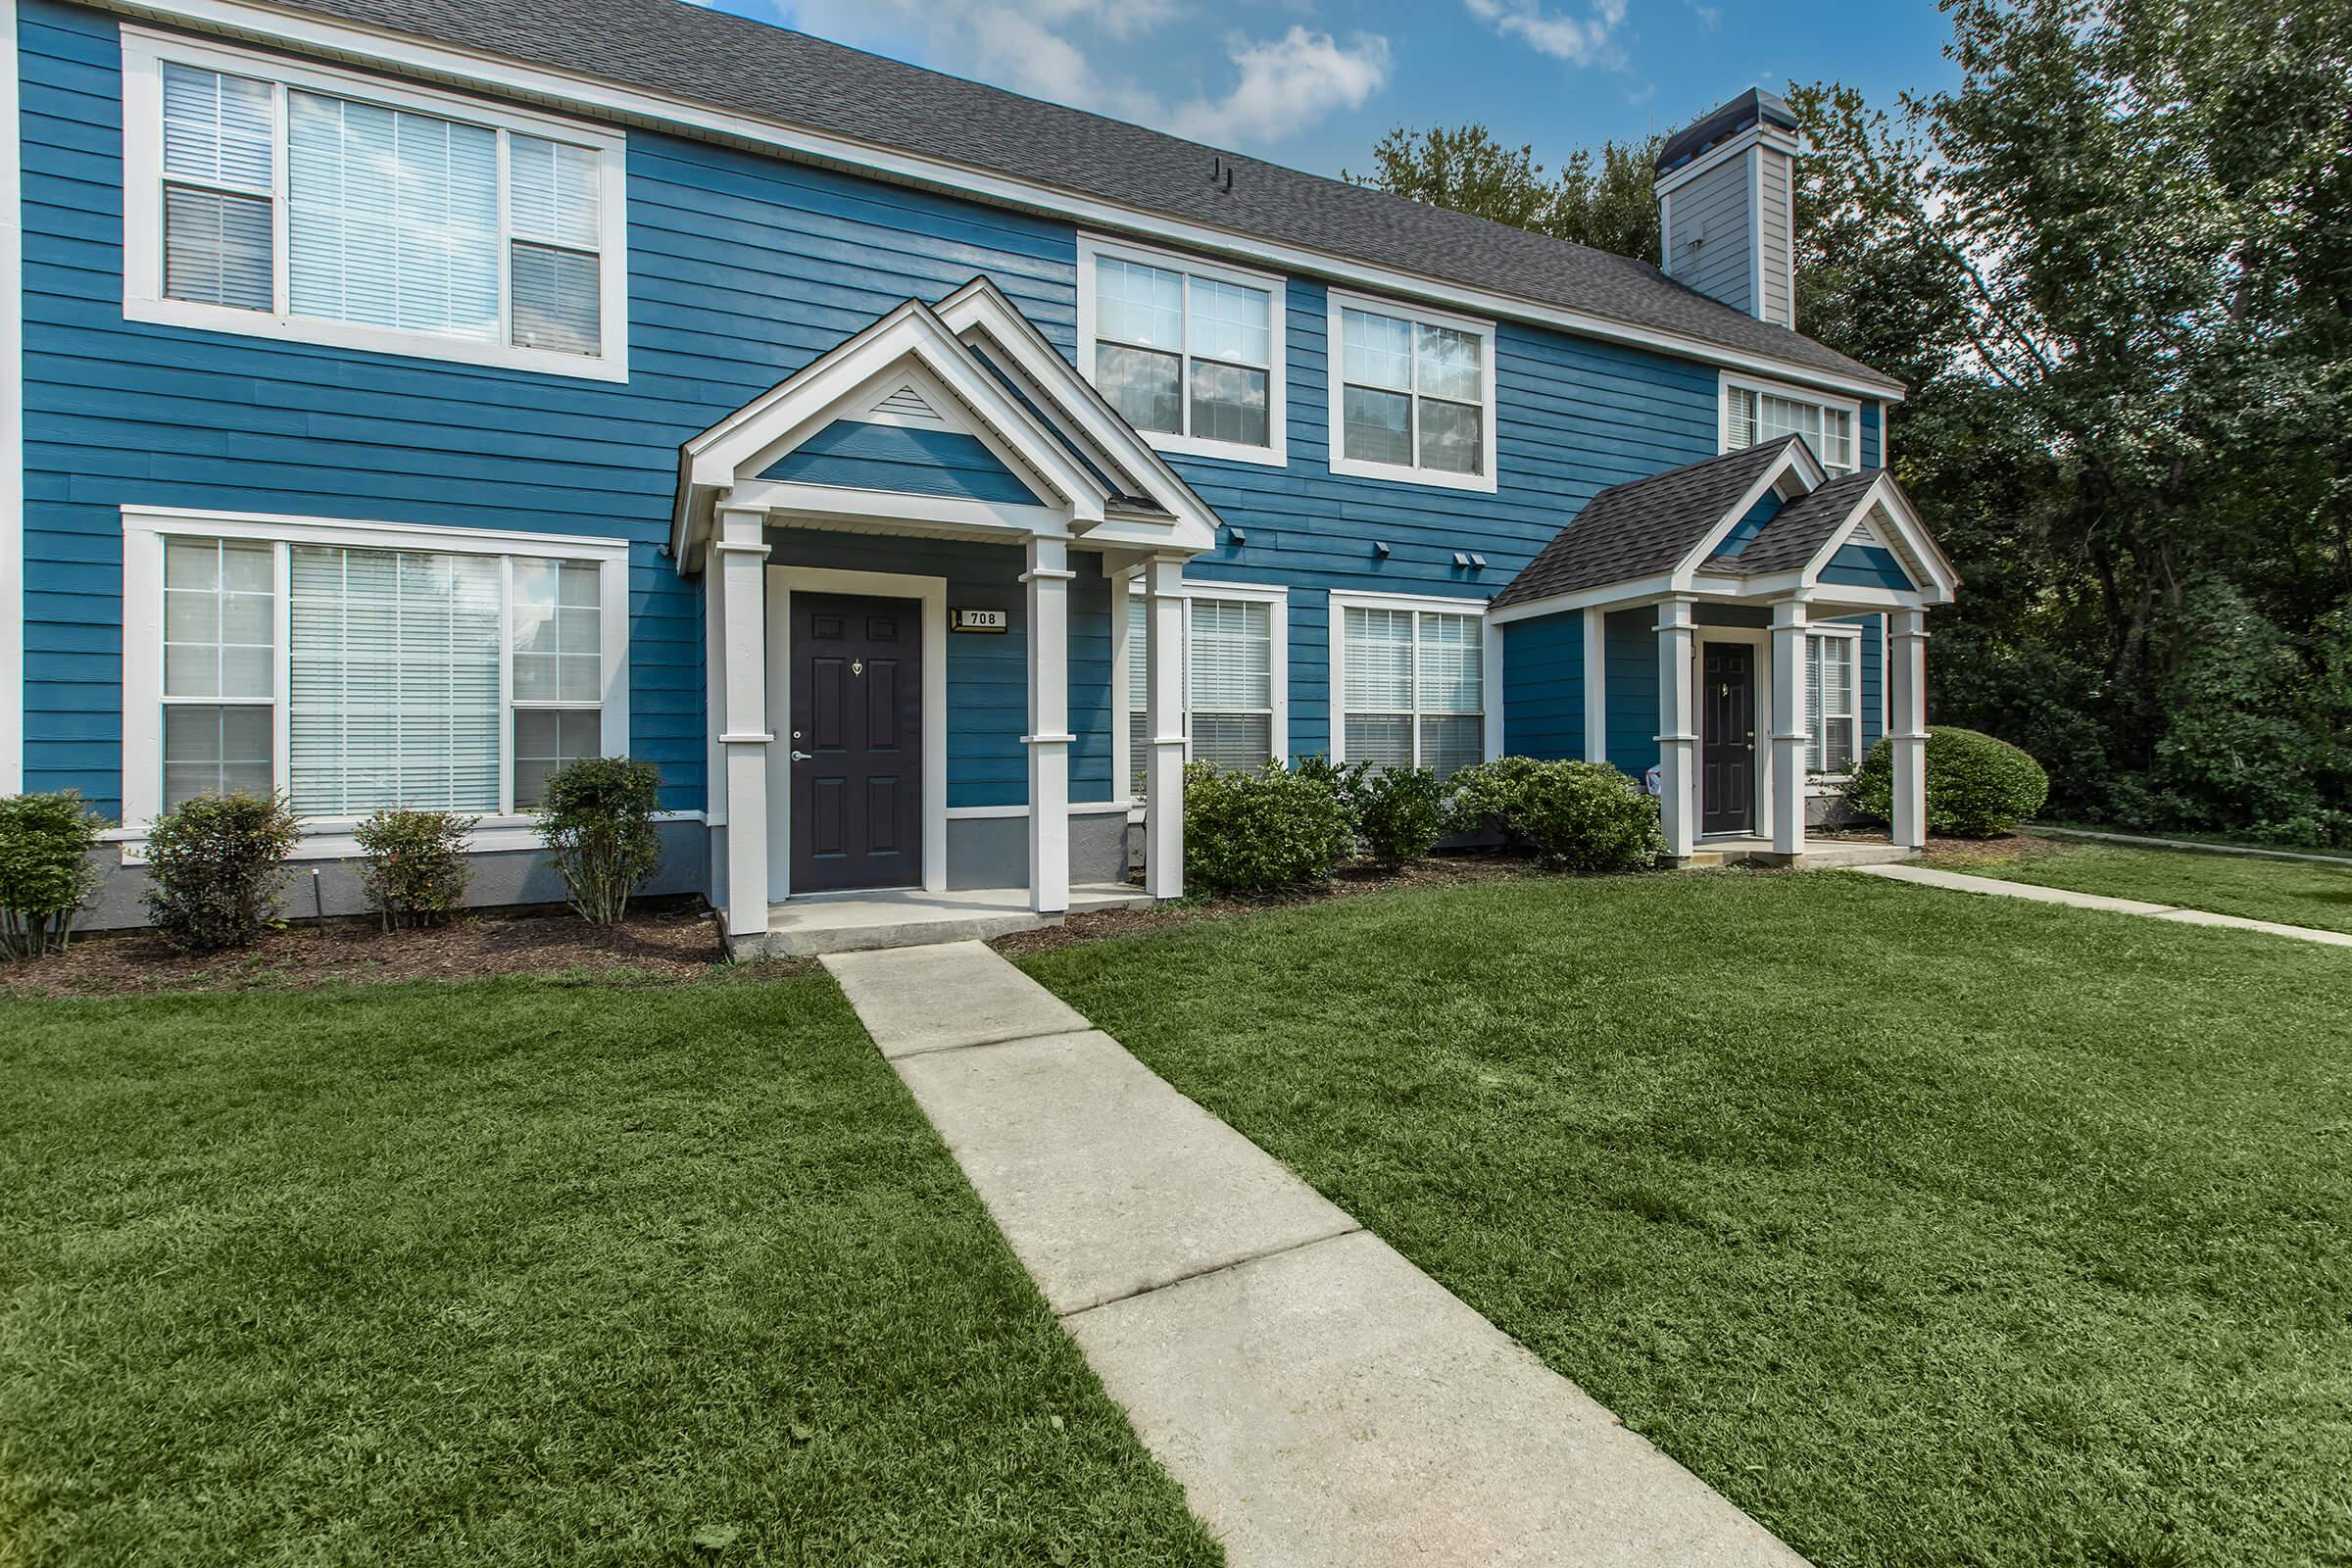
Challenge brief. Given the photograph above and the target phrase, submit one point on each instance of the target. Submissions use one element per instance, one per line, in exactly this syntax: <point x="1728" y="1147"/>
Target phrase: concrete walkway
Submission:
<point x="1320" y="1399"/>
<point x="1958" y="883"/>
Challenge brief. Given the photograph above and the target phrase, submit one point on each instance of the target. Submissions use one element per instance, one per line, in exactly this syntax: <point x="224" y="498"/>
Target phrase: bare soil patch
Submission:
<point x="664" y="944"/>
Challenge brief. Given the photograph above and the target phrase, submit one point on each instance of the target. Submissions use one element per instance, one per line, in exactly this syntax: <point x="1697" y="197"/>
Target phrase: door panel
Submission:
<point x="856" y="720"/>
<point x="1727" y="738"/>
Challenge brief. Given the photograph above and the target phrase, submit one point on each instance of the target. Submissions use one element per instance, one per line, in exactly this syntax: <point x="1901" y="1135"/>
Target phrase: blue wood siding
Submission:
<point x="1873" y="679"/>
<point x="1630" y="644"/>
<point x="988" y="672"/>
<point x="1576" y="418"/>
<point x="901" y="458"/>
<point x="1873" y="435"/>
<point x="742" y="269"/>
<point x="1745" y="531"/>
<point x="1544" y="686"/>
<point x="1864" y="566"/>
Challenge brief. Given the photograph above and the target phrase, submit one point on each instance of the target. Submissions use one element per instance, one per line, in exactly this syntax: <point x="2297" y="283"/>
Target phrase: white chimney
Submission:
<point x="1726" y="197"/>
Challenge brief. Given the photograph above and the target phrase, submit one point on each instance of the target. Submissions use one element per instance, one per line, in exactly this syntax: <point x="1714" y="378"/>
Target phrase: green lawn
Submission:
<point x="1932" y="1229"/>
<point x="2291" y="892"/>
<point x="521" y="1273"/>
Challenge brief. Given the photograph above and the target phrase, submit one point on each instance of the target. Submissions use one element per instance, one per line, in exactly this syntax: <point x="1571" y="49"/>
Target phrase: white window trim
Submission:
<point x="1489" y="665"/>
<point x="1729" y="380"/>
<point x="1278" y="667"/>
<point x="1818" y="784"/>
<point x="144" y="54"/>
<point x="1275" y="452"/>
<point x="1337" y="384"/>
<point x="146" y="529"/>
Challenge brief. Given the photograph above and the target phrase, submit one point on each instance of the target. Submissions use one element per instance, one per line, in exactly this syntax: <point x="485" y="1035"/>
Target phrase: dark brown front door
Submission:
<point x="1726" y="745"/>
<point x="856" y="743"/>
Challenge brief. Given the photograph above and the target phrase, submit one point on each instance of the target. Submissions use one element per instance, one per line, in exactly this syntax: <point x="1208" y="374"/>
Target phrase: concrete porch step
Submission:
<point x="1819" y="854"/>
<point x="907" y="918"/>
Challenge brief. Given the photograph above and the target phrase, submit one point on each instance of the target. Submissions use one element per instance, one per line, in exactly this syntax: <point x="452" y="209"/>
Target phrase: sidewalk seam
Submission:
<point x="1354" y="1227"/>
<point x="993" y="1040"/>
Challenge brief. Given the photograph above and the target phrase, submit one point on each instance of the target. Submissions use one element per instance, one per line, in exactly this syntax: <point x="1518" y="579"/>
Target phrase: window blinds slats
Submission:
<point x="217" y="248"/>
<point x="217" y="129"/>
<point x="1233" y="661"/>
<point x="394" y="680"/>
<point x="393" y="218"/>
<point x="551" y="193"/>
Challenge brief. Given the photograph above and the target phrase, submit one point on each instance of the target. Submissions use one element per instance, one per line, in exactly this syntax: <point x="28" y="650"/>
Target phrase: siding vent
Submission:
<point x="907" y="404"/>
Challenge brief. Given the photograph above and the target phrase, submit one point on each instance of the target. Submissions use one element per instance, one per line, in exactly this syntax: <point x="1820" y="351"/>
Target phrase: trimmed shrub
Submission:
<point x="1258" y="832"/>
<point x="218" y="864"/>
<point x="1977" y="786"/>
<point x="46" y="874"/>
<point x="598" y="815"/>
<point x="1578" y="816"/>
<point x="1397" y="812"/>
<point x="412" y="865"/>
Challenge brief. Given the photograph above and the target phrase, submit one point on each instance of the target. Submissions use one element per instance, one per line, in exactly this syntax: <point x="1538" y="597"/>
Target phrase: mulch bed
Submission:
<point x="1975" y="854"/>
<point x="1436" y="871"/>
<point x="665" y="944"/>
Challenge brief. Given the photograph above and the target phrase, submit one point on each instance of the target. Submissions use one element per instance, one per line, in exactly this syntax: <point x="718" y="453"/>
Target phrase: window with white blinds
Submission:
<point x="1231" y="673"/>
<point x="295" y="201"/>
<point x="353" y="677"/>
<point x="1413" y="688"/>
<point x="1752" y="416"/>
<point x="1830" y="703"/>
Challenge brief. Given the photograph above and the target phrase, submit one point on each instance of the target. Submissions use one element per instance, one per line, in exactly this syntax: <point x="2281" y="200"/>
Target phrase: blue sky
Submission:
<point x="1314" y="83"/>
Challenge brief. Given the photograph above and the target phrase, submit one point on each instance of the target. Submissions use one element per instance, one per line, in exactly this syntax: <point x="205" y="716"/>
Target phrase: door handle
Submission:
<point x="800" y="756"/>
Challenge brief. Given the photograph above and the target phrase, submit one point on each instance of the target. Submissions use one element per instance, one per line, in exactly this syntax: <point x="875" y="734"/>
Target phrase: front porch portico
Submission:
<point x="890" y="541"/>
<point x="1757" y="579"/>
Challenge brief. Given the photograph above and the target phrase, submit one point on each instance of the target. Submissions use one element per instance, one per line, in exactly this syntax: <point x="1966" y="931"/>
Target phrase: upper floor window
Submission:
<point x="281" y="200"/>
<point x="1413" y="395"/>
<point x="1754" y="413"/>
<point x="1189" y="353"/>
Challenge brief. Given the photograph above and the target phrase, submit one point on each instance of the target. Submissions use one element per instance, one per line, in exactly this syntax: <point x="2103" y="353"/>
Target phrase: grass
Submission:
<point x="515" y="1273"/>
<point x="2290" y="892"/>
<point x="1932" y="1229"/>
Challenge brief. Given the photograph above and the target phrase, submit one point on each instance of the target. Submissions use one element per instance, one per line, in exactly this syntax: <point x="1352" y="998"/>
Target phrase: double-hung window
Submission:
<point x="1189" y="354"/>
<point x="1234" y="674"/>
<point x="1754" y="413"/>
<point x="355" y="667"/>
<point x="1412" y="684"/>
<point x="1831" y="660"/>
<point x="284" y="200"/>
<point x="1413" y="395"/>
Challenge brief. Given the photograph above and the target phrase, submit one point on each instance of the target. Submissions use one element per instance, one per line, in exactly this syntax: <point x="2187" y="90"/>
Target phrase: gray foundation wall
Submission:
<point x="499" y="877"/>
<point x="992" y="852"/>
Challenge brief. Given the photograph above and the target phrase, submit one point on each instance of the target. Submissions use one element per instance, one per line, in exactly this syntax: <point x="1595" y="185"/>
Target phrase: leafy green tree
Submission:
<point x="1606" y="203"/>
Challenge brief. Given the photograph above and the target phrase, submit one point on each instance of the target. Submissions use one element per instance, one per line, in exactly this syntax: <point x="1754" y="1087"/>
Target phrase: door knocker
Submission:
<point x="857" y="667"/>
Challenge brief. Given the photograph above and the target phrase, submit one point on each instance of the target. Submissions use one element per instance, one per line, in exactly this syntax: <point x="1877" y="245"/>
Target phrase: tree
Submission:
<point x="1608" y="206"/>
<point x="2113" y="266"/>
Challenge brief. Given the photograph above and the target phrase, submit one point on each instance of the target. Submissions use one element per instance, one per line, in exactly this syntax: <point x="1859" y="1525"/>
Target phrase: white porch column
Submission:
<point x="1678" y="733"/>
<point x="1163" y="791"/>
<point x="739" y="555"/>
<point x="1048" y="738"/>
<point x="1907" y="711"/>
<point x="1596" y="685"/>
<point x="1789" y="734"/>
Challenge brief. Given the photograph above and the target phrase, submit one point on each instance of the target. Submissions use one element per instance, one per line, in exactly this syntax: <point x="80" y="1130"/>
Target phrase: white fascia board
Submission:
<point x="1798" y="459"/>
<point x="1916" y="550"/>
<point x="471" y="69"/>
<point x="1067" y="395"/>
<point x="1606" y="596"/>
<point x="947" y="515"/>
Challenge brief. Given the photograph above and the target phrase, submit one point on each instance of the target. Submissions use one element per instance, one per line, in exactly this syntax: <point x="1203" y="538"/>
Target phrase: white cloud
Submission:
<point x="1068" y="51"/>
<point x="1579" y="41"/>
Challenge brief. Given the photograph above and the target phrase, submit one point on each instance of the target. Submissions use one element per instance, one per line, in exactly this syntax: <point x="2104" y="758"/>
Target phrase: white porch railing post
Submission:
<point x="1678" y="734"/>
<point x="738" y="555"/>
<point x="1907" y="661"/>
<point x="1596" y="685"/>
<point x="1790" y="735"/>
<point x="1048" y="739"/>
<point x="1163" y="790"/>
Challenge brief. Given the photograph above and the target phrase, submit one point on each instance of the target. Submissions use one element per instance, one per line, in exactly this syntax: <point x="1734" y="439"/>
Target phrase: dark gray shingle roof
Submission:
<point x="1644" y="526"/>
<point x="731" y="63"/>
<point x="1798" y="528"/>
